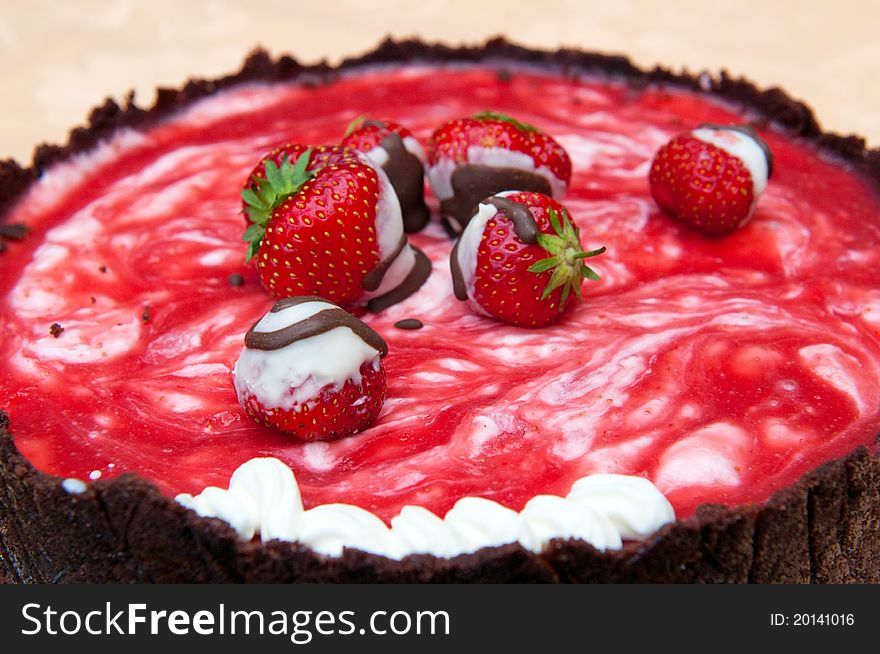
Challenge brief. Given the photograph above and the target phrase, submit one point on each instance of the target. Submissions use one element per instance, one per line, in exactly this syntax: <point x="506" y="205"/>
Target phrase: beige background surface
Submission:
<point x="61" y="58"/>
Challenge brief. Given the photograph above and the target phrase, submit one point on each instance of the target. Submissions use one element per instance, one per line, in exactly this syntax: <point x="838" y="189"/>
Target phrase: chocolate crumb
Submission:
<point x="409" y="323"/>
<point x="103" y="269"/>
<point x="145" y="316"/>
<point x="503" y="75"/>
<point x="56" y="329"/>
<point x="13" y="231"/>
<point x="235" y="280"/>
<point x="638" y="84"/>
<point x="93" y="299"/>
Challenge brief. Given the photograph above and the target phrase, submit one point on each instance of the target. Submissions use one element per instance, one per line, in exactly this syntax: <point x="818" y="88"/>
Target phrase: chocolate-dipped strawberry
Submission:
<point x="472" y="158"/>
<point x="324" y="220"/>
<point x="711" y="178"/>
<point x="311" y="369"/>
<point x="520" y="259"/>
<point x="396" y="150"/>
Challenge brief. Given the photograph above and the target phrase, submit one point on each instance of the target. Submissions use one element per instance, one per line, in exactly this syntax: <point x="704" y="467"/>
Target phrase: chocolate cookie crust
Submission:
<point x="825" y="528"/>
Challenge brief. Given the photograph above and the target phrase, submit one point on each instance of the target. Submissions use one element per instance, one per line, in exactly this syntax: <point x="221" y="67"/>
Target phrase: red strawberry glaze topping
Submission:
<point x="720" y="369"/>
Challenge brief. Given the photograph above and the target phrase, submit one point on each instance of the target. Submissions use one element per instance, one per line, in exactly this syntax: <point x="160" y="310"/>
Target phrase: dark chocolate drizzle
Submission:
<point x="523" y="221"/>
<point x="13" y="231"/>
<point x="503" y="75"/>
<point x="749" y="131"/>
<point x="407" y="175"/>
<point x="459" y="288"/>
<point x="296" y="300"/>
<point x="320" y="323"/>
<point x="373" y="279"/>
<point x="409" y="323"/>
<point x="417" y="276"/>
<point x="471" y="183"/>
<point x="523" y="224"/>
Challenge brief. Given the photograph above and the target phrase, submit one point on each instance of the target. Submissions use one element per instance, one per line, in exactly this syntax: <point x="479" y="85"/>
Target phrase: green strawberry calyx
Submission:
<point x="566" y="258"/>
<point x="354" y="125"/>
<point x="267" y="193"/>
<point x="504" y="118"/>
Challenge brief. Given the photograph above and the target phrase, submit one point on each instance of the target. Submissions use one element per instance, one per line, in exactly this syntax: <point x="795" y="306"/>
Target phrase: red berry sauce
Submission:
<point x="722" y="369"/>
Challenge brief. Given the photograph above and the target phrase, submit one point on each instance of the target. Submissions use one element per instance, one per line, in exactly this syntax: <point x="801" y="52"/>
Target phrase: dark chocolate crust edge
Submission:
<point x="825" y="528"/>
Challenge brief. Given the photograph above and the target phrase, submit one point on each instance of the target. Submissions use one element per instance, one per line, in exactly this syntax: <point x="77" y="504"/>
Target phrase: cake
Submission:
<point x="737" y="375"/>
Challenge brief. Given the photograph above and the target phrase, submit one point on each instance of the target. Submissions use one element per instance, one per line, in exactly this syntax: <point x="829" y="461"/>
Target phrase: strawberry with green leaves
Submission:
<point x="520" y="259"/>
<point x="324" y="220"/>
<point x="265" y="184"/>
<point x="472" y="158"/>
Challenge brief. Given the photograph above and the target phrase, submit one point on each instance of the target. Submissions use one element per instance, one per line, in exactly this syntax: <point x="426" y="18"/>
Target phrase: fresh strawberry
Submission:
<point x="472" y="158"/>
<point x="711" y="178"/>
<point x="396" y="150"/>
<point x="491" y="129"/>
<point x="520" y="259"/>
<point x="311" y="369"/>
<point x="256" y="182"/>
<point x="313" y="222"/>
<point x="333" y="413"/>
<point x="364" y="133"/>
